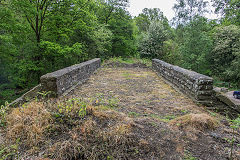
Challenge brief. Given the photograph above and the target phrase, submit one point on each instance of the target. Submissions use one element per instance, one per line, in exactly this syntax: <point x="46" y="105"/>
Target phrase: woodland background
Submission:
<point x="41" y="36"/>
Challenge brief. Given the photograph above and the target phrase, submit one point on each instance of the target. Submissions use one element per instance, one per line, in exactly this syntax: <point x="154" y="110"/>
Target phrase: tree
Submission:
<point x="35" y="12"/>
<point x="230" y="9"/>
<point x="226" y="52"/>
<point x="196" y="46"/>
<point x="40" y="36"/>
<point x="152" y="44"/>
<point x="123" y="41"/>
<point x="148" y="15"/>
<point x="186" y="10"/>
<point x="109" y="7"/>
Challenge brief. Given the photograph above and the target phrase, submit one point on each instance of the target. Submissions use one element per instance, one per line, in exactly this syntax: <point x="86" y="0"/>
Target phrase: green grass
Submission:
<point x="188" y="156"/>
<point x="127" y="75"/>
<point x="147" y="62"/>
<point x="133" y="114"/>
<point x="163" y="119"/>
<point x="9" y="152"/>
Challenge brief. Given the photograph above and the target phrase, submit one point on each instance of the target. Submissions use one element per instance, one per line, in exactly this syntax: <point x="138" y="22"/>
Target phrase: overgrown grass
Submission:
<point x="197" y="121"/>
<point x="70" y="129"/>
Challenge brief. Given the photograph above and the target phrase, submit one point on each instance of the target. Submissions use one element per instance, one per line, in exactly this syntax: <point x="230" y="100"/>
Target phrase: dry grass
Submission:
<point x="200" y="122"/>
<point x="28" y="124"/>
<point x="100" y="136"/>
<point x="64" y="134"/>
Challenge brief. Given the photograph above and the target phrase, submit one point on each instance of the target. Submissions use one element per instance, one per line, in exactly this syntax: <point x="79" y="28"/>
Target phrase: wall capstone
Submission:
<point x="198" y="86"/>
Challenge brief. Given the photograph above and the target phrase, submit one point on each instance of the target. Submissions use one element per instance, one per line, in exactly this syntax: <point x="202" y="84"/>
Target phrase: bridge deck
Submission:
<point x="153" y="105"/>
<point x="138" y="90"/>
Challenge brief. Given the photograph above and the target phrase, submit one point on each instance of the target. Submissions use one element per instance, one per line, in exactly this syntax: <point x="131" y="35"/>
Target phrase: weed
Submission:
<point x="113" y="101"/>
<point x="72" y="107"/>
<point x="10" y="152"/>
<point x="109" y="101"/>
<point x="99" y="98"/>
<point x="82" y="112"/>
<point x="3" y="112"/>
<point x="44" y="94"/>
<point x="184" y="111"/>
<point x="170" y="117"/>
<point x="235" y="125"/>
<point x="133" y="114"/>
<point x="110" y="158"/>
<point x="188" y="156"/>
<point x="126" y="75"/>
<point x="163" y="119"/>
<point x="212" y="113"/>
<point x="154" y="124"/>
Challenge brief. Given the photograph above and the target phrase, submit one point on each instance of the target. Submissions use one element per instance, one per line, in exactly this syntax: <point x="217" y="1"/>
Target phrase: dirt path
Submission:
<point x="140" y="91"/>
<point x="155" y="108"/>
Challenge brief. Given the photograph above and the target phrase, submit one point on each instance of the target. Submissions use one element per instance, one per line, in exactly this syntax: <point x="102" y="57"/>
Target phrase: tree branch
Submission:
<point x="30" y="22"/>
<point x="43" y="15"/>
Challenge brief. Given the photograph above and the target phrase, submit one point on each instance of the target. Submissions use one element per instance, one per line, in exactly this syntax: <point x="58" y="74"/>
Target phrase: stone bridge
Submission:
<point x="134" y="112"/>
<point x="197" y="87"/>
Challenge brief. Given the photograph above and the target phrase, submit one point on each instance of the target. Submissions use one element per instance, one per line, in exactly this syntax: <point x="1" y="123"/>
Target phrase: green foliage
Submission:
<point x="9" y="152"/>
<point x="229" y="9"/>
<point x="148" y="15"/>
<point x="196" y="46"/>
<point x="3" y="113"/>
<point x="154" y="30"/>
<point x="56" y="56"/>
<point x="133" y="114"/>
<point x="145" y="61"/>
<point x="171" y="55"/>
<point x="109" y="101"/>
<point x="103" y="41"/>
<point x="226" y="52"/>
<point x="186" y="10"/>
<point x="123" y="41"/>
<point x="152" y="43"/>
<point x="37" y="37"/>
<point x="71" y="109"/>
<point x="235" y="125"/>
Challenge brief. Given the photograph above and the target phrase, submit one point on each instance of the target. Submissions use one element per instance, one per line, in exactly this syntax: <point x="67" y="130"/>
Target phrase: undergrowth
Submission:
<point x="70" y="129"/>
<point x="3" y="113"/>
<point x="9" y="152"/>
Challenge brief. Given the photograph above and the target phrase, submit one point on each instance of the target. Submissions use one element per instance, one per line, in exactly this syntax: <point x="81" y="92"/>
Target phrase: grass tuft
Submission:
<point x="200" y="122"/>
<point x="28" y="124"/>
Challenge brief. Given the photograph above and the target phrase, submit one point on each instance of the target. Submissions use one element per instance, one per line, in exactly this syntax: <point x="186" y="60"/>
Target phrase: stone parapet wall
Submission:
<point x="62" y="80"/>
<point x="33" y="93"/>
<point x="197" y="86"/>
